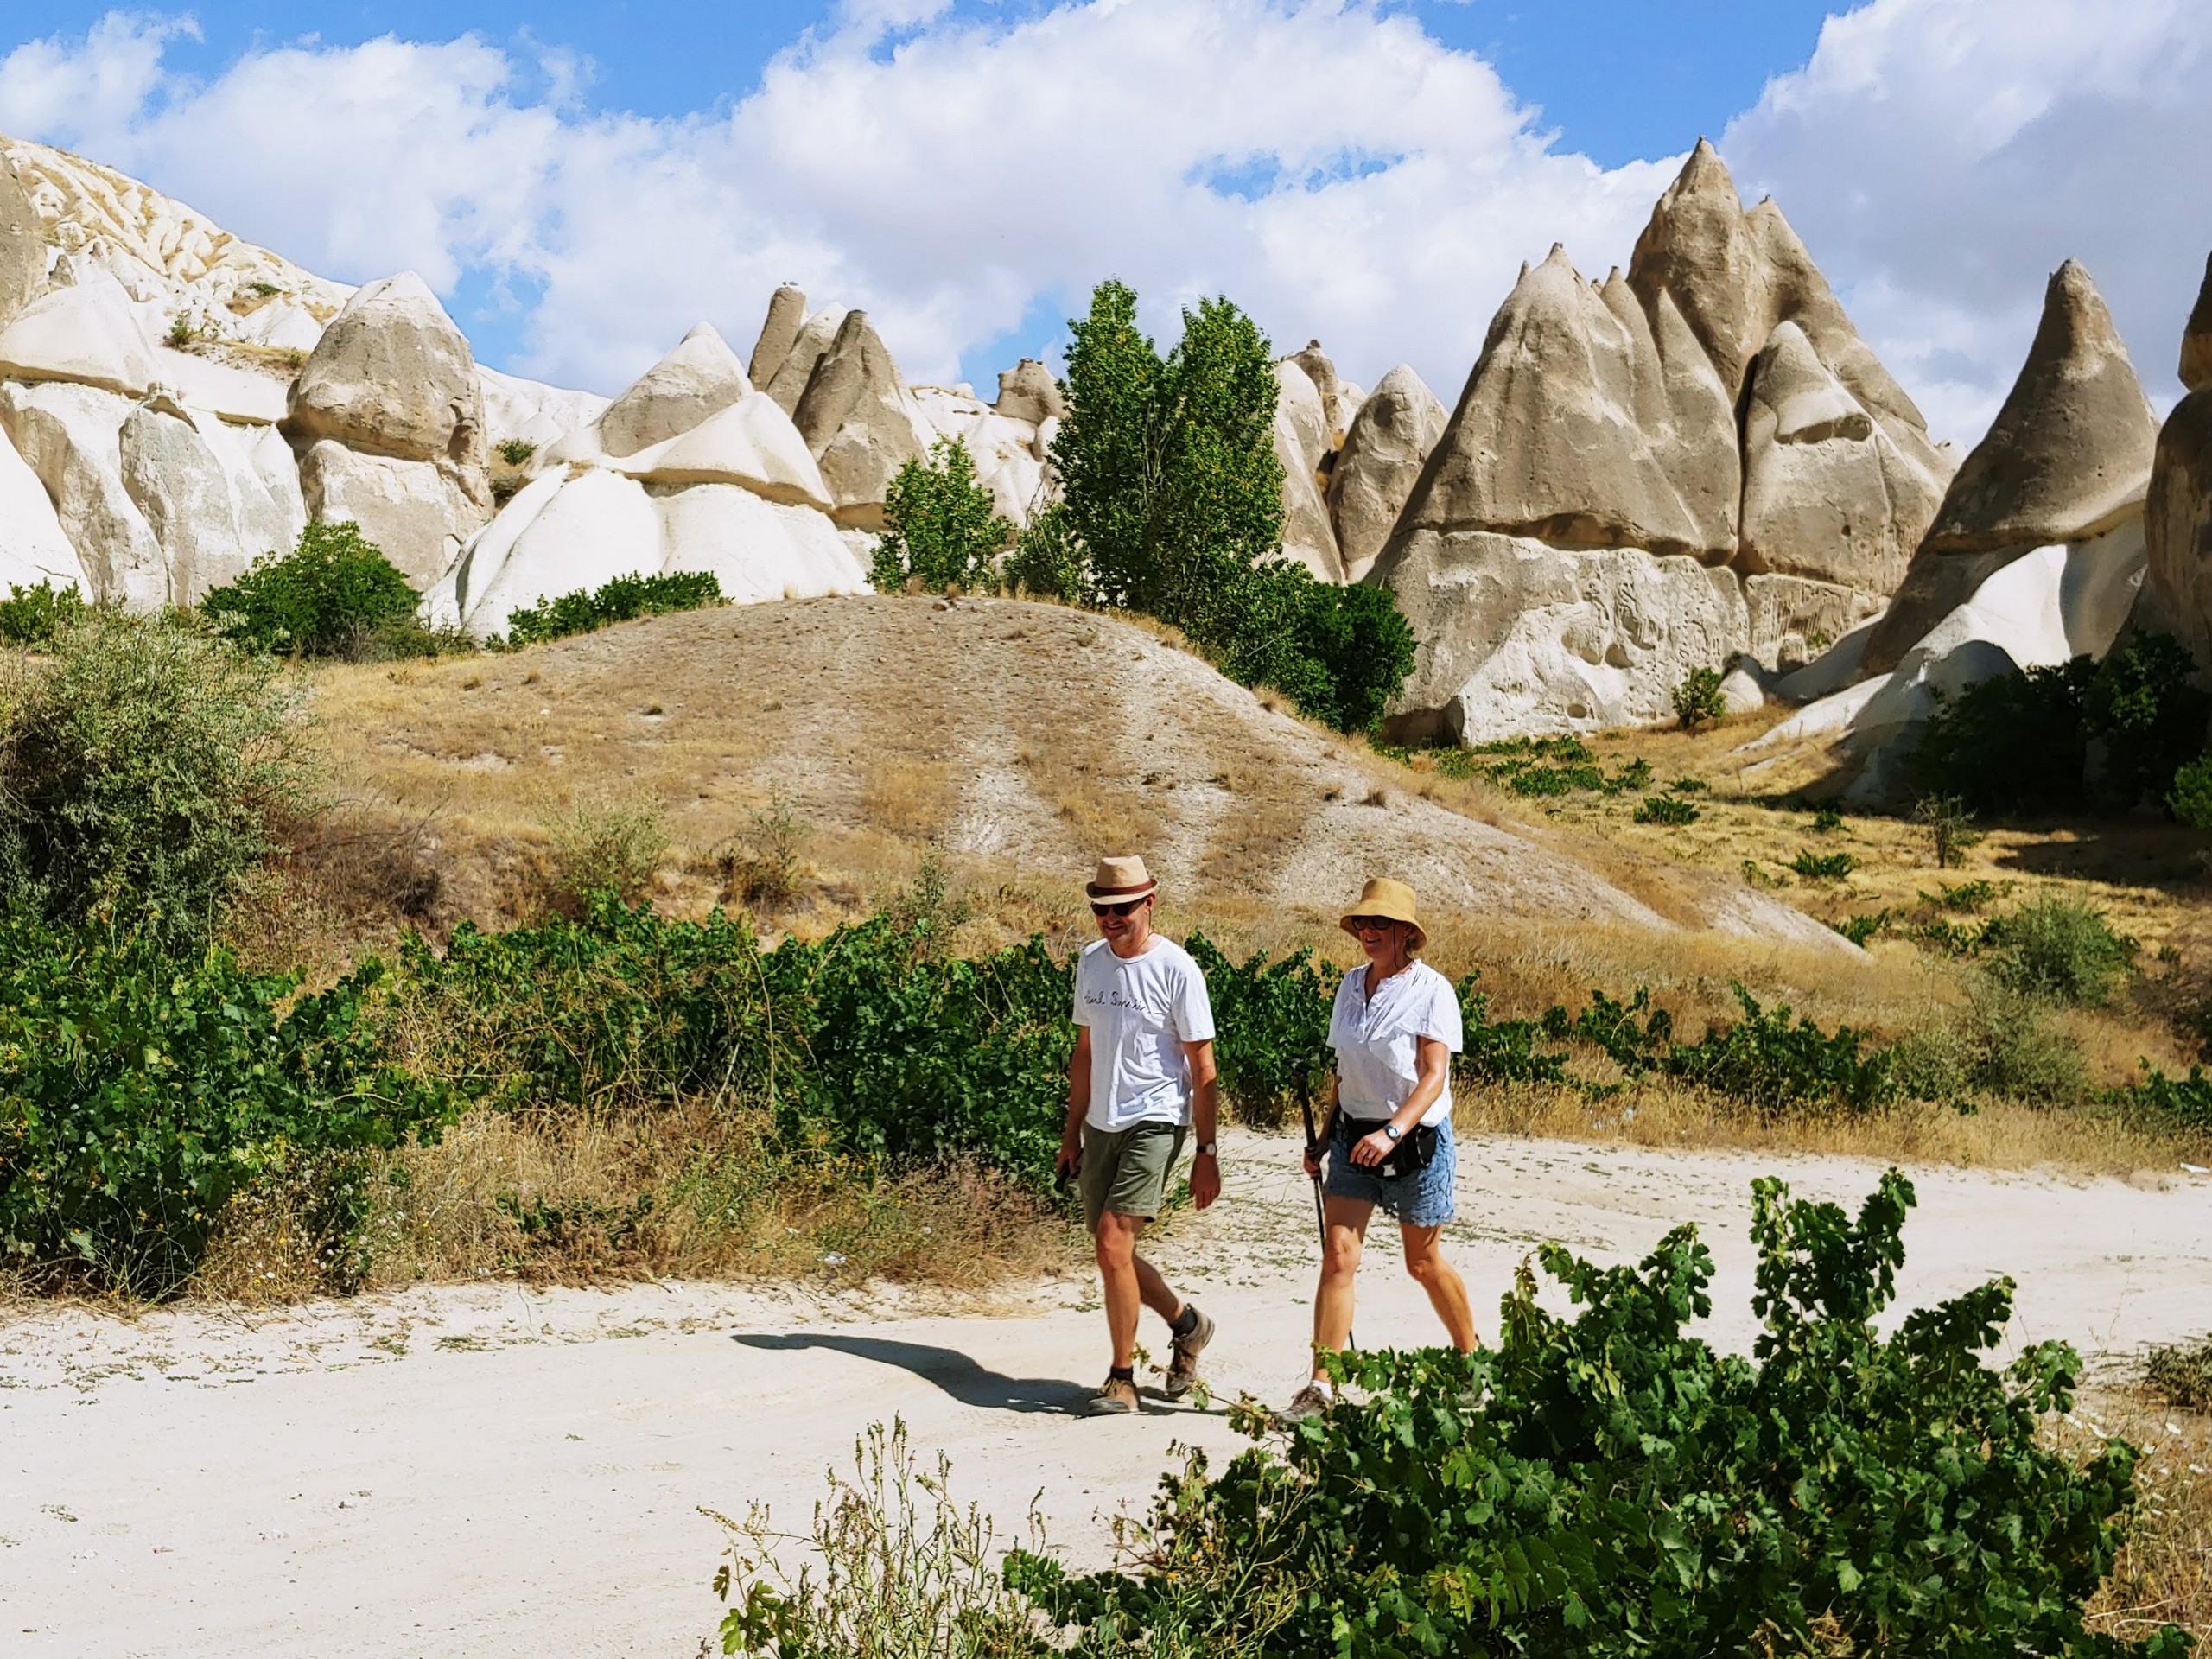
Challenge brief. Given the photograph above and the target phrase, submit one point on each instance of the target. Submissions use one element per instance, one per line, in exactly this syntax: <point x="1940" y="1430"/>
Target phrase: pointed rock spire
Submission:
<point x="2196" y="338"/>
<point x="1698" y="247"/>
<point x="861" y="422"/>
<point x="1384" y="453"/>
<point x="779" y="333"/>
<point x="700" y="377"/>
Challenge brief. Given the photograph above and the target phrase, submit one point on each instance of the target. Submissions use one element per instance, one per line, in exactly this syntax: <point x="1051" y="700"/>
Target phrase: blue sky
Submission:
<point x="582" y="182"/>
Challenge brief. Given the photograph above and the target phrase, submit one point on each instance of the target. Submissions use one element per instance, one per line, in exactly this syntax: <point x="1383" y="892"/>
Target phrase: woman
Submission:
<point x="1388" y="1139"/>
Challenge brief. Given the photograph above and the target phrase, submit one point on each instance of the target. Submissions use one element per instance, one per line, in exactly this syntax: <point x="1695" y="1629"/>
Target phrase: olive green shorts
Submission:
<point x="1126" y="1170"/>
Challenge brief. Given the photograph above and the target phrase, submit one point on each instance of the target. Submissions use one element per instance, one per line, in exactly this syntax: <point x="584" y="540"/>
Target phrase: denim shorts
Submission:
<point x="1421" y="1199"/>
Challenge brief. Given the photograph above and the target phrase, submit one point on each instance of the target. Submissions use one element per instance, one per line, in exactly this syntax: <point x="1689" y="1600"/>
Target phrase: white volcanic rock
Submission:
<point x="1005" y="449"/>
<point x="2067" y="458"/>
<point x="1517" y="636"/>
<point x="701" y="376"/>
<point x="87" y="332"/>
<point x="1794" y="620"/>
<point x="779" y="333"/>
<point x="2177" y="512"/>
<point x="1390" y="439"/>
<point x="245" y="395"/>
<point x="2042" y="609"/>
<point x="1741" y="693"/>
<point x="69" y="435"/>
<point x="34" y="548"/>
<point x="393" y="376"/>
<point x="171" y="260"/>
<point x="23" y="249"/>
<point x="414" y="510"/>
<point x="1336" y="412"/>
<point x="1307" y="536"/>
<point x="860" y="421"/>
<point x="788" y="384"/>
<point x="1827" y="493"/>
<point x="1028" y="392"/>
<point x="187" y="497"/>
<point x="529" y="412"/>
<point x="750" y="443"/>
<point x="756" y="549"/>
<point x="559" y="536"/>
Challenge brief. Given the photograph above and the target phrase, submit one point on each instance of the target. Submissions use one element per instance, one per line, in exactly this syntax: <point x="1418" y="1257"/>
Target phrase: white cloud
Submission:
<point x="1323" y="162"/>
<point x="1941" y="157"/>
<point x="1334" y="169"/>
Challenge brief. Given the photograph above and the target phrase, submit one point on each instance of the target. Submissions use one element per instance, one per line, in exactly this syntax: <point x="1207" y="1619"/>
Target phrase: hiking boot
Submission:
<point x="1116" y="1397"/>
<point x="1182" y="1360"/>
<point x="1311" y="1401"/>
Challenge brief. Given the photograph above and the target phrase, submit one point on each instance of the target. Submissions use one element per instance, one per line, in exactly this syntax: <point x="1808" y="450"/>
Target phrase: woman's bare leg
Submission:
<point x="1344" y="1227"/>
<point x="1448" y="1291"/>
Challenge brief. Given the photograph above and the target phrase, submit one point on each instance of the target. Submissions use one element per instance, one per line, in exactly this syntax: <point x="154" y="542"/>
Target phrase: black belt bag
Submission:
<point x="1415" y="1152"/>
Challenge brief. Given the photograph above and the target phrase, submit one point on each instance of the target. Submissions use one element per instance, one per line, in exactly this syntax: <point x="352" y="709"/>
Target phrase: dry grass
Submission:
<point x="686" y="1192"/>
<point x="2164" y="1575"/>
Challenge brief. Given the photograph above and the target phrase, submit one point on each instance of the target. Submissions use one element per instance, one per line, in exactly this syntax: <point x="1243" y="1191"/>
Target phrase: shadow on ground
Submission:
<point x="956" y="1373"/>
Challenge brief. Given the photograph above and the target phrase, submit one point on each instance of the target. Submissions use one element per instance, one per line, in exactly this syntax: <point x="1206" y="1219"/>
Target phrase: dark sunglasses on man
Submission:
<point x="1127" y="909"/>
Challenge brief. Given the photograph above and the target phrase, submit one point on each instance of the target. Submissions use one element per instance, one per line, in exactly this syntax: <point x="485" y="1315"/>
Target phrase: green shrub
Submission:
<point x="1689" y="786"/>
<point x="2180" y="1374"/>
<point x="1542" y="767"/>
<point x="1611" y="1485"/>
<point x="1273" y="1021"/>
<point x="2028" y="742"/>
<point x="1697" y="699"/>
<point x="1047" y="560"/>
<point x="1860" y="929"/>
<point x="2059" y="950"/>
<point x="1767" y="1062"/>
<point x="1665" y="808"/>
<point x="2190" y="799"/>
<point x="612" y="846"/>
<point x="2017" y="1053"/>
<point x="2176" y="1103"/>
<point x="143" y="774"/>
<point x="138" y="1093"/>
<point x="1950" y="824"/>
<point x="1968" y="896"/>
<point x="1827" y="821"/>
<point x="941" y="531"/>
<point x="1340" y="653"/>
<point x="32" y="616"/>
<point x="623" y="600"/>
<point x="517" y="451"/>
<point x="1823" y="867"/>
<point x="335" y="594"/>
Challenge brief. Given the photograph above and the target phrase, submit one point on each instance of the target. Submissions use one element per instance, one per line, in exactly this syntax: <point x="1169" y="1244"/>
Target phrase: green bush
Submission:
<point x="2190" y="799"/>
<point x="335" y="594"/>
<point x="2180" y="1374"/>
<point x="1665" y="808"/>
<point x="1339" y="652"/>
<point x="1950" y="824"/>
<point x="1611" y="1485"/>
<point x="608" y="846"/>
<point x="1860" y="929"/>
<point x="2174" y="1103"/>
<point x="32" y="616"/>
<point x="1768" y="1063"/>
<point x="1047" y="560"/>
<point x="2029" y="741"/>
<point x="1827" y="821"/>
<point x="1697" y="699"/>
<point x="2059" y="950"/>
<point x="1543" y="766"/>
<point x="1273" y="1019"/>
<point x="941" y="529"/>
<point x="623" y="600"/>
<point x="138" y="1093"/>
<point x="517" y="451"/>
<point x="1823" y="867"/>
<point x="143" y="774"/>
<point x="2015" y="1052"/>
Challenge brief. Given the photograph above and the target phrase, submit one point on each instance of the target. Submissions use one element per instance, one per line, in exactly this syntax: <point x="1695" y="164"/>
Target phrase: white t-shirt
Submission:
<point x="1378" y="1050"/>
<point x="1140" y="1011"/>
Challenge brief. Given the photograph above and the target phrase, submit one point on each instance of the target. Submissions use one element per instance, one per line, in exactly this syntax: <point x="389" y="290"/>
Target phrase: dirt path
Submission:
<point x="486" y="1471"/>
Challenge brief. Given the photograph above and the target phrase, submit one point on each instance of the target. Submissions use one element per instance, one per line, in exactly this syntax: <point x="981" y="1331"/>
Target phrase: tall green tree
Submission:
<point x="941" y="525"/>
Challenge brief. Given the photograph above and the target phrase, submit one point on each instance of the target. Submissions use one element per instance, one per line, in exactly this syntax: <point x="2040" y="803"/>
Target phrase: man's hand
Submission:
<point x="1205" y="1180"/>
<point x="1070" y="1156"/>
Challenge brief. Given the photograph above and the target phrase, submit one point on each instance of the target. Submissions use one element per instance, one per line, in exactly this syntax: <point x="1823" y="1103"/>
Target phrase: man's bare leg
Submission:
<point x="1129" y="1281"/>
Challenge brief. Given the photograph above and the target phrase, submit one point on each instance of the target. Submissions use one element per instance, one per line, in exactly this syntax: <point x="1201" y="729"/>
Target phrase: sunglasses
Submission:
<point x="1127" y="909"/>
<point x="1369" y="923"/>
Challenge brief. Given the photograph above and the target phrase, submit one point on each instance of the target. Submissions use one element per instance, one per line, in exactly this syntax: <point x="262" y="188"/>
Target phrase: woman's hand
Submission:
<point x="1313" y="1163"/>
<point x="1371" y="1149"/>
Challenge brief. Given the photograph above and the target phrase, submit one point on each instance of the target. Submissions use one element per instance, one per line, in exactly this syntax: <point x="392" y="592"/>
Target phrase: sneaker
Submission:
<point x="1183" y="1361"/>
<point x="1116" y="1397"/>
<point x="1311" y="1401"/>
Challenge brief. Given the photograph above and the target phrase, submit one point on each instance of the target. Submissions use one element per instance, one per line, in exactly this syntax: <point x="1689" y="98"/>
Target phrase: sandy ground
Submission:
<point x="485" y="1471"/>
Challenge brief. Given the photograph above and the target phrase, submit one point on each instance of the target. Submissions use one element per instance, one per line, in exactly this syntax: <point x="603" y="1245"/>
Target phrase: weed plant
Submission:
<point x="1810" y="866"/>
<point x="34" y="615"/>
<point x="623" y="600"/>
<point x="1666" y="810"/>
<point x="607" y="845"/>
<point x="2180" y="1374"/>
<point x="1698" y="700"/>
<point x="1610" y="1484"/>
<point x="2059" y="950"/>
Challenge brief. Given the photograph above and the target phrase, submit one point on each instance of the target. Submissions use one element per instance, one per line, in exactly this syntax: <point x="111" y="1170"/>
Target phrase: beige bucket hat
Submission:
<point x="1383" y="897"/>
<point x="1119" y="880"/>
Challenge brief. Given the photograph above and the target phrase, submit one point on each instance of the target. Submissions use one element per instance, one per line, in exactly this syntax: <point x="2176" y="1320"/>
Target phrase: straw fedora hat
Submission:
<point x="1120" y="880"/>
<point x="1383" y="897"/>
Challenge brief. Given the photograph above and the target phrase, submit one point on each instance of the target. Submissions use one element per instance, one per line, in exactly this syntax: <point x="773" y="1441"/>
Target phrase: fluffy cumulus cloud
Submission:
<point x="1323" y="162"/>
<point x="1941" y="157"/>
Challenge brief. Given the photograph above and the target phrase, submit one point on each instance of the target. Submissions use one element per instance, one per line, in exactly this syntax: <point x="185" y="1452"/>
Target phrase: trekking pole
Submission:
<point x="1320" y="1211"/>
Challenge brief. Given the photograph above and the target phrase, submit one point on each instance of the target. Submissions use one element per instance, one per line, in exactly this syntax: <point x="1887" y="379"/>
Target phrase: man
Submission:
<point x="1143" y="1071"/>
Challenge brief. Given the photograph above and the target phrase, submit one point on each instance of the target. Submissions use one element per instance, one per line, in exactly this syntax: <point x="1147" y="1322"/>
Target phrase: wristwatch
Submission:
<point x="1393" y="1132"/>
<point x="1205" y="1149"/>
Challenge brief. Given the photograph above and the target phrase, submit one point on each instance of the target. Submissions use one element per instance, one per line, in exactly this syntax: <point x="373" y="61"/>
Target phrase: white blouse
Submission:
<point x="1377" y="1040"/>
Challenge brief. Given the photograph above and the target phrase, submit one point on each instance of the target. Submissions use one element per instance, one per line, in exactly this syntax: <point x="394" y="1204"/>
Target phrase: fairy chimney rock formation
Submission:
<point x="1382" y="455"/>
<point x="1028" y="392"/>
<point x="701" y="376"/>
<point x="2177" y="510"/>
<point x="22" y="250"/>
<point x="2067" y="459"/>
<point x="2196" y="338"/>
<point x="861" y="422"/>
<point x="779" y="333"/>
